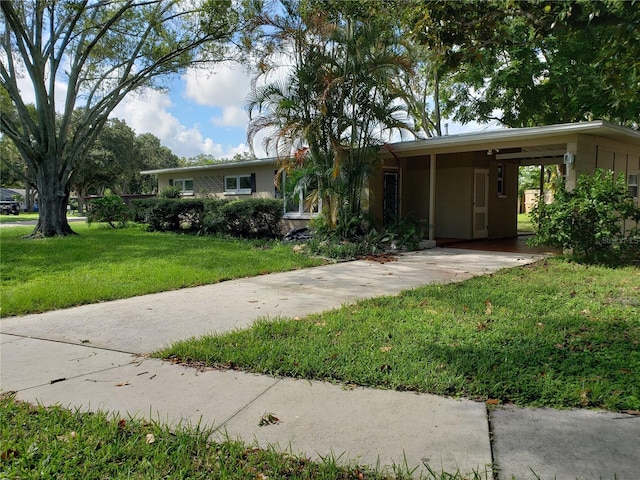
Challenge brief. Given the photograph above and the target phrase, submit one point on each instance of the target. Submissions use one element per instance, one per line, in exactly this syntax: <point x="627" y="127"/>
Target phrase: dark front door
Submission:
<point x="390" y="206"/>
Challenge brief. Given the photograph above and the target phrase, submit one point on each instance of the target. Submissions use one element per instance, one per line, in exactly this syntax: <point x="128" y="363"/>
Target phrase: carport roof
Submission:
<point x="479" y="140"/>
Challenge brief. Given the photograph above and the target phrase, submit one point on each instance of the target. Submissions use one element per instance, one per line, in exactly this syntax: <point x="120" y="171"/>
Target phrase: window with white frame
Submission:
<point x="184" y="184"/>
<point x="632" y="185"/>
<point x="296" y="201"/>
<point x="239" y="184"/>
<point x="501" y="188"/>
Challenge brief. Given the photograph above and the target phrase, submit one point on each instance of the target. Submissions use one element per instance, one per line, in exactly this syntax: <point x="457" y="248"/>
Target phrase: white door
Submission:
<point x="480" y="203"/>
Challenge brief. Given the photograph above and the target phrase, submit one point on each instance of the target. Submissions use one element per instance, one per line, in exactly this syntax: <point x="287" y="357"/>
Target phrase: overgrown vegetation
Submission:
<point x="590" y="220"/>
<point x="363" y="236"/>
<point x="105" y="264"/>
<point x="556" y="334"/>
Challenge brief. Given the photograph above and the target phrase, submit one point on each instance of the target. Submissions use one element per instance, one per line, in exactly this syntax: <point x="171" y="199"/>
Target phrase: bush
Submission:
<point x="170" y="192"/>
<point x="363" y="237"/>
<point x="110" y="209"/>
<point x="589" y="220"/>
<point x="251" y="218"/>
<point x="169" y="214"/>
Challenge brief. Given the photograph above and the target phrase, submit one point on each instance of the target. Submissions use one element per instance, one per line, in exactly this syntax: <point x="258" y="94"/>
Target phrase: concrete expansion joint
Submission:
<point x="85" y="344"/>
<point x="494" y="466"/>
<point x="73" y="377"/>
<point x="247" y="405"/>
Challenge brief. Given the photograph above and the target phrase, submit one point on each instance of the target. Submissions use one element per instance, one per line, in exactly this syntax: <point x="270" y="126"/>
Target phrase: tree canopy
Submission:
<point x="96" y="52"/>
<point x="527" y="63"/>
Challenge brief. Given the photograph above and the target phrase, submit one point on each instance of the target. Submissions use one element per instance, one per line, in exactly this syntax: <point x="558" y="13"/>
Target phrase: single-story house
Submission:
<point x="461" y="186"/>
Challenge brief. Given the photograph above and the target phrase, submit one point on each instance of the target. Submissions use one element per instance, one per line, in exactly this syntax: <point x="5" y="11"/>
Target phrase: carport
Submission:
<point x="465" y="187"/>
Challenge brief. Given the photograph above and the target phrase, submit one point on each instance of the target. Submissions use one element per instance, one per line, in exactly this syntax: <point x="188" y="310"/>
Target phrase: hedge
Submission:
<point x="250" y="218"/>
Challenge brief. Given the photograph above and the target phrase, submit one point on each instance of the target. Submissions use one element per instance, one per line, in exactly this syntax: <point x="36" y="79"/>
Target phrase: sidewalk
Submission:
<point x="89" y="357"/>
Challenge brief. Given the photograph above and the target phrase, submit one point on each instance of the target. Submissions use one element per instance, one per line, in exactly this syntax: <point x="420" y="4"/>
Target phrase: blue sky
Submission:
<point x="202" y="112"/>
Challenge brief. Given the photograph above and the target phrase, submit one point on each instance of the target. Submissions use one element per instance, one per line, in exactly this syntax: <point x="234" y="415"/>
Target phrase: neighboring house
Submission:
<point x="13" y="194"/>
<point x="235" y="180"/>
<point x="461" y="186"/>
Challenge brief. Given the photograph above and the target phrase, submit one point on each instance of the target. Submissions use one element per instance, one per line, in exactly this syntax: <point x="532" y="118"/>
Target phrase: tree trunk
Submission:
<point x="53" y="198"/>
<point x="82" y="193"/>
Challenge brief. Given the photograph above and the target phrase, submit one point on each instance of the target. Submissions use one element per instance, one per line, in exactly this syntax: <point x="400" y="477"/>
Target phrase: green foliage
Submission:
<point x="590" y="219"/>
<point x="110" y="209"/>
<point x="361" y="237"/>
<point x="170" y="191"/>
<point x="555" y="334"/>
<point x="250" y="218"/>
<point x="169" y="214"/>
<point x="532" y="63"/>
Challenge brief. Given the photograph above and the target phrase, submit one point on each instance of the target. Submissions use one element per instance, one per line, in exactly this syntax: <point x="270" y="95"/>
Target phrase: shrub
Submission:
<point x="363" y="237"/>
<point x="589" y="220"/>
<point x="251" y="218"/>
<point x="110" y="209"/>
<point x="170" y="192"/>
<point x="169" y="214"/>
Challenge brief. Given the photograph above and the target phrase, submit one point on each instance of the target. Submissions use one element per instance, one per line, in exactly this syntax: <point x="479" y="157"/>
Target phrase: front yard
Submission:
<point x="555" y="334"/>
<point x="105" y="264"/>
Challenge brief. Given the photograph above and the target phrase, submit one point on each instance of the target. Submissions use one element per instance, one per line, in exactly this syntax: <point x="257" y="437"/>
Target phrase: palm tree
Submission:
<point x="335" y="107"/>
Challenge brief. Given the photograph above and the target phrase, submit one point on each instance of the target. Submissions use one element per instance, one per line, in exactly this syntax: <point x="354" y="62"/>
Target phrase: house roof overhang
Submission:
<point x="464" y="142"/>
<point x="214" y="166"/>
<point x="512" y="137"/>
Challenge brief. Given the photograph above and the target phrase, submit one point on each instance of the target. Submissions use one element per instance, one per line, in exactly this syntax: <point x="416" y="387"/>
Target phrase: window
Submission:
<point x="632" y="185"/>
<point x="501" y="189"/>
<point x="239" y="184"/>
<point x="185" y="185"/>
<point x="296" y="203"/>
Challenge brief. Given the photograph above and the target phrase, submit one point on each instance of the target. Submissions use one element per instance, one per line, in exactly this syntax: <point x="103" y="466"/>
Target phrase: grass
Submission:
<point x="103" y="264"/>
<point x="22" y="217"/>
<point x="525" y="224"/>
<point x="51" y="442"/>
<point x="556" y="334"/>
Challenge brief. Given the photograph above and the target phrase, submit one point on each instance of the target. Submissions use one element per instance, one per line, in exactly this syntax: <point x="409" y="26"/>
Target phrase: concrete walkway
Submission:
<point x="92" y="357"/>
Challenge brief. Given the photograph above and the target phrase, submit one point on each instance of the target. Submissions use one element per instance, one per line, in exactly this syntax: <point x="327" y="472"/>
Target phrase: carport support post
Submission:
<point x="432" y="197"/>
<point x="542" y="182"/>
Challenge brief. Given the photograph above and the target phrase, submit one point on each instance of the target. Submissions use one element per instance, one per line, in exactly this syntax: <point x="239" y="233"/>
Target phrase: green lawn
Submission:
<point x="555" y="334"/>
<point x="525" y="224"/>
<point x="105" y="264"/>
<point x="23" y="217"/>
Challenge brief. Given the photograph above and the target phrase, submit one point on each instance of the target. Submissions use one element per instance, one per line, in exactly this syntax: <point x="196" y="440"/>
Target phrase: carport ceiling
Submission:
<point x="536" y="155"/>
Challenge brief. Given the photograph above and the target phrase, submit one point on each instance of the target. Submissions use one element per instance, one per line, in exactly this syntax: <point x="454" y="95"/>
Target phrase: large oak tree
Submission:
<point x="100" y="51"/>
<point x="527" y="63"/>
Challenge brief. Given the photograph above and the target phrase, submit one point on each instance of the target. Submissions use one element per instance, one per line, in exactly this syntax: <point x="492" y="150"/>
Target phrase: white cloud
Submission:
<point x="148" y="112"/>
<point x="226" y="88"/>
<point x="231" y="117"/>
